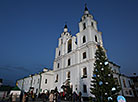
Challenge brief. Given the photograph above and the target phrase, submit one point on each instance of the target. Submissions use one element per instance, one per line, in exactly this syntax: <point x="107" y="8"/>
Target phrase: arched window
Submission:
<point x="84" y="55"/>
<point x="129" y="83"/>
<point x="58" y="65"/>
<point x="84" y="39"/>
<point x="130" y="92"/>
<point x="84" y="26"/>
<point x="56" y="78"/>
<point x="68" y="75"/>
<point x="124" y="83"/>
<point x="69" y="62"/>
<point x="127" y="92"/>
<point x="69" y="45"/>
<point x="92" y="24"/>
<point x="84" y="88"/>
<point x="84" y="72"/>
<point x="45" y="81"/>
<point x="95" y="38"/>
<point x="59" y="53"/>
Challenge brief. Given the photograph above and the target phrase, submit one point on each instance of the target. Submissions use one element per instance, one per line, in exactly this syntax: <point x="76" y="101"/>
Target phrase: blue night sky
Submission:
<point x="29" y="32"/>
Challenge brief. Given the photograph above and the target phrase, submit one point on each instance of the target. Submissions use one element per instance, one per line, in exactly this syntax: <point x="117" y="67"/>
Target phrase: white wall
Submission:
<point x="76" y="57"/>
<point x="48" y="75"/>
<point x="27" y="83"/>
<point x="127" y="90"/>
<point x="20" y="83"/>
<point x="36" y="83"/>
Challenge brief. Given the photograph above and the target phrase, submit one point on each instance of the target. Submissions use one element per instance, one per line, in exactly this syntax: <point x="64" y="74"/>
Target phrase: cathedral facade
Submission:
<point x="74" y="62"/>
<point x="74" y="58"/>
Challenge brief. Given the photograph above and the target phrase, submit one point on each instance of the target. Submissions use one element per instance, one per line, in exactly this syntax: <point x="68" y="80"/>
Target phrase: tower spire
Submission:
<point x="65" y="27"/>
<point x="86" y="9"/>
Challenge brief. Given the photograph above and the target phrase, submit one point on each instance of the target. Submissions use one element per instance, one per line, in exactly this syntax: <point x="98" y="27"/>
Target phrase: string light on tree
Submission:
<point x="102" y="69"/>
<point x="94" y="75"/>
<point x="113" y="89"/>
<point x="109" y="74"/>
<point x="100" y="83"/>
<point x="105" y="63"/>
<point x="106" y="82"/>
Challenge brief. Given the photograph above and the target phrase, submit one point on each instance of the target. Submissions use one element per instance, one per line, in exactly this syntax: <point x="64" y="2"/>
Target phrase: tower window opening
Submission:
<point x="84" y="39"/>
<point x="56" y="78"/>
<point x="69" y="45"/>
<point x="92" y="24"/>
<point x="69" y="62"/>
<point x="58" y="65"/>
<point x="84" y="88"/>
<point x="45" y="81"/>
<point x="95" y="38"/>
<point x="84" y="72"/>
<point x="84" y="26"/>
<point x="84" y="55"/>
<point x="59" y="53"/>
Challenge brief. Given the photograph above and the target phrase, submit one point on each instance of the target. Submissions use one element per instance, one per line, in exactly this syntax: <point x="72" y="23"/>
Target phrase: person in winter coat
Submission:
<point x="24" y="98"/>
<point x="51" y="97"/>
<point x="14" y="98"/>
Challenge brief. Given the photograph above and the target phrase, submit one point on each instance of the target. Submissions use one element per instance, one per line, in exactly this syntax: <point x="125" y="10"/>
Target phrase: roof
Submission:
<point x="114" y="64"/>
<point x="15" y="88"/>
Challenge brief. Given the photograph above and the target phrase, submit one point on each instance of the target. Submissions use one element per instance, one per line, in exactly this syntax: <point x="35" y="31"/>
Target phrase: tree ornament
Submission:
<point x="105" y="63"/>
<point x="100" y="83"/>
<point x="113" y="89"/>
<point x="102" y="68"/>
<point x="98" y="75"/>
<point x="109" y="75"/>
<point x="109" y="98"/>
<point x="94" y="75"/>
<point x="105" y="93"/>
<point x="106" y="83"/>
<point x="100" y="63"/>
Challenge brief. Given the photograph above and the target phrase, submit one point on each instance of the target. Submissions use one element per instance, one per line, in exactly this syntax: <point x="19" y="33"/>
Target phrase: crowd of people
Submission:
<point x="53" y="96"/>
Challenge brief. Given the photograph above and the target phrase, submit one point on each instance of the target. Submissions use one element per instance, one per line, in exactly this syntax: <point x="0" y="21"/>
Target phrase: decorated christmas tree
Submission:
<point x="103" y="85"/>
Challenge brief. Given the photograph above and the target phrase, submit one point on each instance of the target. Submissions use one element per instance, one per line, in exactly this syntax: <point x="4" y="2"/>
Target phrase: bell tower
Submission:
<point x="87" y="20"/>
<point x="88" y="29"/>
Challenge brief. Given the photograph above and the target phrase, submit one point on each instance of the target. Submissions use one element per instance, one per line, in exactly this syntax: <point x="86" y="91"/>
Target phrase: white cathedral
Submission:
<point x="74" y="61"/>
